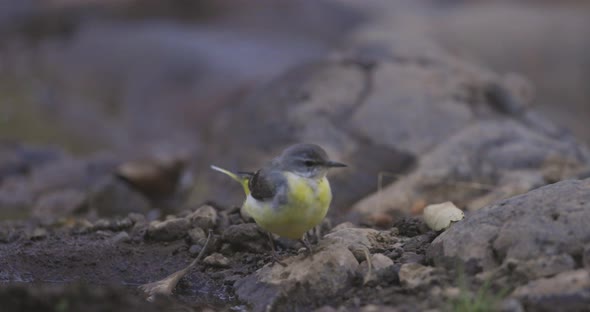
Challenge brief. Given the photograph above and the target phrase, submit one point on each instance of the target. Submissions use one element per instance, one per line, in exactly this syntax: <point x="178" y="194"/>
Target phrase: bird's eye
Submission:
<point x="308" y="163"/>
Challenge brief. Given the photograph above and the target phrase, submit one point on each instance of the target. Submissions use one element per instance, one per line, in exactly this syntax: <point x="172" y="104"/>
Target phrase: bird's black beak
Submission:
<point x="334" y="164"/>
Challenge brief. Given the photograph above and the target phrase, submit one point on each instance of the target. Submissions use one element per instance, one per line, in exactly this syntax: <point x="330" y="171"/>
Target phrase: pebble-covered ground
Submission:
<point x="112" y="112"/>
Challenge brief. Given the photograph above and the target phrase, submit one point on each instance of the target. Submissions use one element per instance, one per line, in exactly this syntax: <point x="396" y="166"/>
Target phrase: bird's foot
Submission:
<point x="274" y="256"/>
<point x="275" y="259"/>
<point x="308" y="247"/>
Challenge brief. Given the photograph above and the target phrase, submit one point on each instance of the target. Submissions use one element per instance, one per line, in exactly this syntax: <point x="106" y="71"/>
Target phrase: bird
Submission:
<point x="289" y="195"/>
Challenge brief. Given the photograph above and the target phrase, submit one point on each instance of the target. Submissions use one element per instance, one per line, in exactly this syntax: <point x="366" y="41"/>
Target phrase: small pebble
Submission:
<point x="205" y="217"/>
<point x="168" y="230"/>
<point x="104" y="233"/>
<point x="101" y="224"/>
<point x="137" y="218"/>
<point x="38" y="233"/>
<point x="216" y="260"/>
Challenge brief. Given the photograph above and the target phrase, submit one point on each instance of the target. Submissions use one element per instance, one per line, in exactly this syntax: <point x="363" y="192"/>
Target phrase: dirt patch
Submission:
<point x="77" y="266"/>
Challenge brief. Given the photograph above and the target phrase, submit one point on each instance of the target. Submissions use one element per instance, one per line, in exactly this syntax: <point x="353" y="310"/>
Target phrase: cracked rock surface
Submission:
<point x="546" y="222"/>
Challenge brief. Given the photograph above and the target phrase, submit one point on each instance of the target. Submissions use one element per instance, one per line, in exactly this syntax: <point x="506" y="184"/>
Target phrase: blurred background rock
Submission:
<point x="171" y="79"/>
<point x="104" y="68"/>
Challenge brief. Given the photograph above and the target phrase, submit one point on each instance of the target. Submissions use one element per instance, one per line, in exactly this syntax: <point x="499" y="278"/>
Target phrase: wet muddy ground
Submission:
<point x="68" y="267"/>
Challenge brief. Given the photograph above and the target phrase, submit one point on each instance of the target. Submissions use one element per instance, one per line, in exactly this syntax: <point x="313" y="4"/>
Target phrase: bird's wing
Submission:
<point x="265" y="184"/>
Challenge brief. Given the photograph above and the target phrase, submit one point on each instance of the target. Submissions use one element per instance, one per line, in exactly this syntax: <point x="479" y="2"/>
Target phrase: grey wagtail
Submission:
<point x="289" y="195"/>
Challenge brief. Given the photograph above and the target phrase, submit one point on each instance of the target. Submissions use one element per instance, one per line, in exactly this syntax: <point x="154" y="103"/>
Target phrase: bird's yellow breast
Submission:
<point x="308" y="201"/>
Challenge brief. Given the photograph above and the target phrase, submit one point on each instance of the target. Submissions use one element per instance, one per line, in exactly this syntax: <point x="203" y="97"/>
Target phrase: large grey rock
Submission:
<point x="331" y="269"/>
<point x="486" y="161"/>
<point x="547" y="222"/>
<point x="567" y="291"/>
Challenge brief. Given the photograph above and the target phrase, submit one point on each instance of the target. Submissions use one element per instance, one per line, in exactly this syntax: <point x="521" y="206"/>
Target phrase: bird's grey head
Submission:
<point x="306" y="160"/>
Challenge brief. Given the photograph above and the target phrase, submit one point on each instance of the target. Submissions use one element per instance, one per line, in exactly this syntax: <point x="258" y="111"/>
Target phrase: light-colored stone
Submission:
<point x="380" y="263"/>
<point x="440" y="216"/>
<point x="204" y="217"/>
<point x="38" y="233"/>
<point x="217" y="260"/>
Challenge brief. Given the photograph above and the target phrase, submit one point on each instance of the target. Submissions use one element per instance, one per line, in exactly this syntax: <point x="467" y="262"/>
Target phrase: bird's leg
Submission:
<point x="275" y="257"/>
<point x="305" y="242"/>
<point x="317" y="233"/>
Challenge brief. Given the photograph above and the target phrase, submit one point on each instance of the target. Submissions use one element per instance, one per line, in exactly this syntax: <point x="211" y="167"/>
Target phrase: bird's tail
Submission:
<point x="242" y="179"/>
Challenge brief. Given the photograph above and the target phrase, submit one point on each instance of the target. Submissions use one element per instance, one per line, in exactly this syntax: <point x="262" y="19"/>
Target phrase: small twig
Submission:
<point x="166" y="286"/>
<point x="369" y="274"/>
